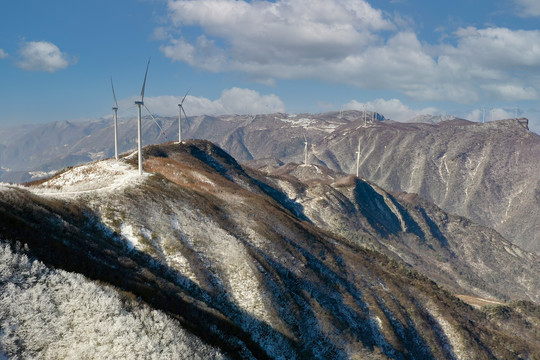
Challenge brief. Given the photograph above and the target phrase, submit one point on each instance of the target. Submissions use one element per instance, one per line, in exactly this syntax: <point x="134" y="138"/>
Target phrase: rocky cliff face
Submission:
<point x="236" y="261"/>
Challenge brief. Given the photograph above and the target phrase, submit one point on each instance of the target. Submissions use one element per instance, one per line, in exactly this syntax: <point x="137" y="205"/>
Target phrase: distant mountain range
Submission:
<point x="292" y="260"/>
<point x="484" y="172"/>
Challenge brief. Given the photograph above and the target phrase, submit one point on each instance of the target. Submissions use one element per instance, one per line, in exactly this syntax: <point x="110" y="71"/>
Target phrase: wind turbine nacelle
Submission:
<point x="139" y="102"/>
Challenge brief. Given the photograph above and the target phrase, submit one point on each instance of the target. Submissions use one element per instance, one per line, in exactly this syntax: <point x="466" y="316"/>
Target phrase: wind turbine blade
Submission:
<point x="144" y="82"/>
<point x="184" y="98"/>
<point x="187" y="119"/>
<point x="113" y="94"/>
<point x="155" y="121"/>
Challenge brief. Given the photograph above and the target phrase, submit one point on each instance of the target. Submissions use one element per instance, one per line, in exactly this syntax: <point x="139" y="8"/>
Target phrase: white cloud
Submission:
<point x="203" y="54"/>
<point x="496" y="49"/>
<point x="232" y="101"/>
<point x="3" y="54"/>
<point x="510" y="92"/>
<point x="392" y="109"/>
<point x="528" y="8"/>
<point x="261" y="33"/>
<point x="350" y="42"/>
<point x="42" y="56"/>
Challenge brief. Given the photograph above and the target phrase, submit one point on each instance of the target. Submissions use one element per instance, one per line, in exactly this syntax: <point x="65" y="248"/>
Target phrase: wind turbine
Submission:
<point x="365" y="121"/>
<point x="139" y="105"/>
<point x="305" y="150"/>
<point x="358" y="158"/>
<point x="483" y="114"/>
<point x="180" y="111"/>
<point x="115" y="108"/>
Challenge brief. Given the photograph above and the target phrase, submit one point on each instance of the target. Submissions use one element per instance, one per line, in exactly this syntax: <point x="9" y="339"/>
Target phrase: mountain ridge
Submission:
<point x="481" y="171"/>
<point x="221" y="251"/>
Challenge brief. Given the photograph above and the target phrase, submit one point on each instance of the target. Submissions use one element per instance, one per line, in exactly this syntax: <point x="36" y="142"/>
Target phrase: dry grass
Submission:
<point x="479" y="302"/>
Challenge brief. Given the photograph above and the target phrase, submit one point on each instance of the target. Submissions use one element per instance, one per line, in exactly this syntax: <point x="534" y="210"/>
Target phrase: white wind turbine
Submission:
<point x="365" y="121"/>
<point x="305" y="150"/>
<point x="139" y="105"/>
<point x="180" y="111"/>
<point x="358" y="158"/>
<point x="483" y="114"/>
<point x="115" y="108"/>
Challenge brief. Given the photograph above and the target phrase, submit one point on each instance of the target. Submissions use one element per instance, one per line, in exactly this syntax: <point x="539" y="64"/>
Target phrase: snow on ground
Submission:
<point x="454" y="342"/>
<point x="308" y="123"/>
<point x="106" y="175"/>
<point x="41" y="174"/>
<point x="303" y="122"/>
<point x="127" y="232"/>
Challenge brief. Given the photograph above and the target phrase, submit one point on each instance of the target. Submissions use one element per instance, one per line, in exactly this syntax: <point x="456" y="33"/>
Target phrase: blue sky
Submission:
<point x="399" y="57"/>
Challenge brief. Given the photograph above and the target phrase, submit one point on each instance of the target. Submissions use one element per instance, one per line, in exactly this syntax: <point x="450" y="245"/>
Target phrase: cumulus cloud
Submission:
<point x="43" y="56"/>
<point x="232" y="101"/>
<point x="528" y="8"/>
<point x="392" y="109"/>
<point x="263" y="32"/>
<point x="3" y="54"/>
<point x="350" y="42"/>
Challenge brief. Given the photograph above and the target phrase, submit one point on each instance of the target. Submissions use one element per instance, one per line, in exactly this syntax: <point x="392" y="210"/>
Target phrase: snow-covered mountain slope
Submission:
<point x="454" y="251"/>
<point x="485" y="172"/>
<point x="241" y="265"/>
<point x="53" y="314"/>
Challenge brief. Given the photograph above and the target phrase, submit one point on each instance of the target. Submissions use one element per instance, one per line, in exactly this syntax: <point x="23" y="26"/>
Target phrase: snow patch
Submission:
<point x="97" y="155"/>
<point x="301" y="122"/>
<point x="126" y="230"/>
<point x="202" y="178"/>
<point x="454" y="345"/>
<point x="103" y="176"/>
<point x="146" y="233"/>
<point x="175" y="224"/>
<point x="41" y="174"/>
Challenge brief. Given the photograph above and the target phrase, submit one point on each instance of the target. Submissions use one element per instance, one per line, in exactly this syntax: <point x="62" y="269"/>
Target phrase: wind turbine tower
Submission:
<point x="358" y="158"/>
<point x="483" y="114"/>
<point x="180" y="111"/>
<point x="365" y="123"/>
<point x="115" y="117"/>
<point x="305" y="150"/>
<point x="139" y="105"/>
